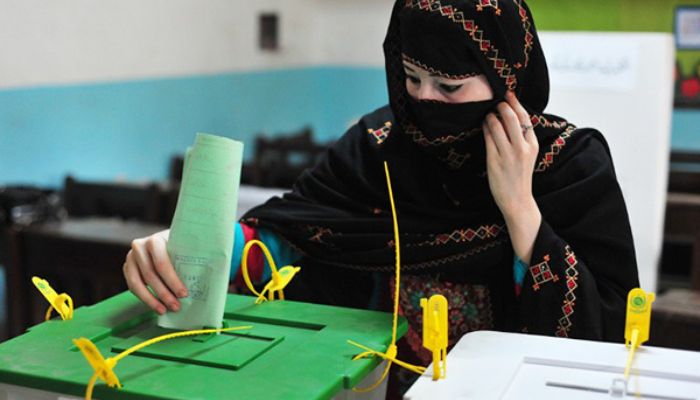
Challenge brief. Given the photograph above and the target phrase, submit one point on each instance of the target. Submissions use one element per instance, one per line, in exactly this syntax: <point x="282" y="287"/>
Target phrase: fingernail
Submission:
<point x="182" y="293"/>
<point x="174" y="306"/>
<point x="160" y="310"/>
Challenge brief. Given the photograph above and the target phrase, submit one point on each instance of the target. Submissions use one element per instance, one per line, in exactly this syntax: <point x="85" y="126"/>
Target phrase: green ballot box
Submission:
<point x="293" y="351"/>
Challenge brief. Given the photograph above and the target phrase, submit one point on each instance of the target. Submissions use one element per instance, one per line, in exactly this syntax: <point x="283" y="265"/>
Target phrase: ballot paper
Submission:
<point x="202" y="231"/>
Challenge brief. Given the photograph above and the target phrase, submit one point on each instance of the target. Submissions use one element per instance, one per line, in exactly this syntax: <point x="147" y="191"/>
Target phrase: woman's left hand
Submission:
<point x="511" y="152"/>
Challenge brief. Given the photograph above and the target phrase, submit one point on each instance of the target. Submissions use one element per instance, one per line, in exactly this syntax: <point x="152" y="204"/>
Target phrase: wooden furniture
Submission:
<point x="682" y="224"/>
<point x="676" y="312"/>
<point x="112" y="199"/>
<point x="279" y="161"/>
<point x="79" y="256"/>
<point x="675" y="320"/>
<point x="685" y="172"/>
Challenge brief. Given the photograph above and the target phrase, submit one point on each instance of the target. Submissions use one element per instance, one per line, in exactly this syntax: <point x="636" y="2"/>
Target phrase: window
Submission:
<point x="269" y="31"/>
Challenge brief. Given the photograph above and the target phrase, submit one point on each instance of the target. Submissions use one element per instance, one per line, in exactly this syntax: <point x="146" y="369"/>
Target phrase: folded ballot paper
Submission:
<point x="201" y="233"/>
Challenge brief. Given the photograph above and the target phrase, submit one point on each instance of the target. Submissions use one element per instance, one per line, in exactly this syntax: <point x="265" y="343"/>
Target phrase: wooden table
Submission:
<point x="81" y="257"/>
<point x="675" y="320"/>
<point x="681" y="226"/>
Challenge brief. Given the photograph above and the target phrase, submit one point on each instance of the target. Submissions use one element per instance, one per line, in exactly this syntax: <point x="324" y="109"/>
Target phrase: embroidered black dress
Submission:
<point x="454" y="239"/>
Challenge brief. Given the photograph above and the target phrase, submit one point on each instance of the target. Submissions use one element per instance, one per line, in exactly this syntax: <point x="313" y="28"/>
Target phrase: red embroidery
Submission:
<point x="419" y="137"/>
<point x="469" y="308"/>
<point x="317" y="233"/>
<point x="454" y="159"/>
<point x="382" y="133"/>
<point x="488" y="3"/>
<point x="541" y="273"/>
<point x="464" y="235"/>
<point x="435" y="71"/>
<point x="540" y="120"/>
<point x="490" y="51"/>
<point x="556" y="146"/>
<point x="527" y="25"/>
<point x="569" y="302"/>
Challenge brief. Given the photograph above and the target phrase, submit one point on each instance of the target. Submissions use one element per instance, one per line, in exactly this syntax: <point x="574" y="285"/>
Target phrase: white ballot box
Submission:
<point x="495" y="365"/>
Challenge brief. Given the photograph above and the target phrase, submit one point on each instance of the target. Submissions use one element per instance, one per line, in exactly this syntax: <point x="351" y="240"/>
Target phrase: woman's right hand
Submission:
<point x="148" y="265"/>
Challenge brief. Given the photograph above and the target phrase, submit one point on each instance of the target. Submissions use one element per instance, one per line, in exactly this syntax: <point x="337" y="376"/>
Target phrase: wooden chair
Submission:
<point x="682" y="223"/>
<point x="82" y="257"/>
<point x="9" y="252"/>
<point x="279" y="161"/>
<point x="112" y="199"/>
<point x="676" y="313"/>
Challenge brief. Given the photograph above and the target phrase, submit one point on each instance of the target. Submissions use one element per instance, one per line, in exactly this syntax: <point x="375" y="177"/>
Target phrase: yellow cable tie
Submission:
<point x="375" y="384"/>
<point x="62" y="303"/>
<point x="104" y="367"/>
<point x="390" y="355"/>
<point x="280" y="279"/>
<point x="634" y="343"/>
<point x="395" y="223"/>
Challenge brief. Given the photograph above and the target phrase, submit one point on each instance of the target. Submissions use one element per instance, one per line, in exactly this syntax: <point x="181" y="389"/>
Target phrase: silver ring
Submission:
<point x="526" y="128"/>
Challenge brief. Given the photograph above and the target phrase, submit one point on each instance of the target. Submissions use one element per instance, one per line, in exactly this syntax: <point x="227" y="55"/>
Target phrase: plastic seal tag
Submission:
<point x="391" y="352"/>
<point x="435" y="332"/>
<point x="62" y="303"/>
<point x="104" y="367"/>
<point x="280" y="278"/>
<point x="637" y="322"/>
<point x="638" y="316"/>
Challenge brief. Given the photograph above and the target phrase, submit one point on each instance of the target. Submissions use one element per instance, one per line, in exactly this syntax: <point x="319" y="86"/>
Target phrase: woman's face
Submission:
<point x="424" y="85"/>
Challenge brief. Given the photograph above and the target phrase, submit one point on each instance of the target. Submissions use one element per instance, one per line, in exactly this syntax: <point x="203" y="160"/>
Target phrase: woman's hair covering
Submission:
<point x="458" y="38"/>
<point x="338" y="214"/>
<point x="499" y="34"/>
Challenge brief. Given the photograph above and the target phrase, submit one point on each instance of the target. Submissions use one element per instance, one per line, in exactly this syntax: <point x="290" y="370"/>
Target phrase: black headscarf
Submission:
<point x="338" y="217"/>
<point x="455" y="40"/>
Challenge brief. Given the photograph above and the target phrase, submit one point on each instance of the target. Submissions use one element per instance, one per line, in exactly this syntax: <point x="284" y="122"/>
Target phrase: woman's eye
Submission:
<point x="450" y="88"/>
<point x="413" y="79"/>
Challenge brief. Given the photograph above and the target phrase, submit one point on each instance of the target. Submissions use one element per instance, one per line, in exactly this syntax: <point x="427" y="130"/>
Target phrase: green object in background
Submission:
<point x="294" y="351"/>
<point x="201" y="233"/>
<point x="615" y="16"/>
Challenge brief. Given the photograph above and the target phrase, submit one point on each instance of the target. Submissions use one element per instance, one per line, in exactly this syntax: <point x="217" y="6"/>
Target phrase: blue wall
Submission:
<point x="131" y="129"/>
<point x="685" y="134"/>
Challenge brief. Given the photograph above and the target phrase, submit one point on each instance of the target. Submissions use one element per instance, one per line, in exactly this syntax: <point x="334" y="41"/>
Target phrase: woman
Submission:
<point x="514" y="215"/>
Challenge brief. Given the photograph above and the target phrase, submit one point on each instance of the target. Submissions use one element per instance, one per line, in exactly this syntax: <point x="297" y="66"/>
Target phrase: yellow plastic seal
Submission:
<point x="104" y="367"/>
<point x="435" y="333"/>
<point x="62" y="303"/>
<point x="280" y="279"/>
<point x="637" y="322"/>
<point x="390" y="354"/>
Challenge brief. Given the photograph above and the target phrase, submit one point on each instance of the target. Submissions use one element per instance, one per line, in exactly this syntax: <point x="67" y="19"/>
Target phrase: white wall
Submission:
<point x="76" y="41"/>
<point x="351" y="32"/>
<point x="622" y="84"/>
